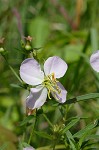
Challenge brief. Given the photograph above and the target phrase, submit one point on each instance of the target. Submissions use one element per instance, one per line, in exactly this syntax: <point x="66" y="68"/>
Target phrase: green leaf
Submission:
<point x="39" y="30"/>
<point x="83" y="137"/>
<point x="43" y="134"/>
<point x="73" y="52"/>
<point x="93" y="136"/>
<point x="71" y="124"/>
<point x="69" y="135"/>
<point x="72" y="142"/>
<point x="26" y="120"/>
<point x="24" y="144"/>
<point x="92" y="146"/>
<point x="16" y="85"/>
<point x="73" y="145"/>
<point x="89" y="136"/>
<point x="89" y="127"/>
<point x="82" y="134"/>
<point x="94" y="39"/>
<point x="87" y="96"/>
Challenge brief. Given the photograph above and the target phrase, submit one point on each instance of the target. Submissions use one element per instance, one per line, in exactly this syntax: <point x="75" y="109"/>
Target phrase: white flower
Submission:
<point x="28" y="148"/>
<point x="94" y="61"/>
<point x="44" y="82"/>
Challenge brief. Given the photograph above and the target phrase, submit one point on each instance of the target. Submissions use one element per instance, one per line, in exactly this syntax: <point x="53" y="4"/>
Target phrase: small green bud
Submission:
<point x="34" y="53"/>
<point x="56" y="128"/>
<point x="28" y="47"/>
<point x="2" y="50"/>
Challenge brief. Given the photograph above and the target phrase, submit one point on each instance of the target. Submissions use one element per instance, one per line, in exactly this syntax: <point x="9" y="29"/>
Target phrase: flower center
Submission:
<point x="50" y="83"/>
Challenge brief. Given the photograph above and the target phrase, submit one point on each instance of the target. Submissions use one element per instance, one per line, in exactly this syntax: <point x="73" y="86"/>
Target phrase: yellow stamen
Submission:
<point x="50" y="83"/>
<point x="49" y="91"/>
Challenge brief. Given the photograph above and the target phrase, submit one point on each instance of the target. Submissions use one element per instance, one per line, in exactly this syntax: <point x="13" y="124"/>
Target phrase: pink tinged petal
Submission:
<point x="60" y="97"/>
<point x="94" y="61"/>
<point x="37" y="97"/>
<point x="28" y="148"/>
<point x="30" y="72"/>
<point x="55" y="65"/>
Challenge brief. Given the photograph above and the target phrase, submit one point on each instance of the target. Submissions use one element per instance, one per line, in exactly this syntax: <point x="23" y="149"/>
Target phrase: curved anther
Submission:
<point x="50" y="83"/>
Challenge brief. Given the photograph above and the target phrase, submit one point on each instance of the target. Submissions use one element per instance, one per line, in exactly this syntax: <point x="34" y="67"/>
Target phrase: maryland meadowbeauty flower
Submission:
<point x="44" y="83"/>
<point x="28" y="148"/>
<point x="94" y="61"/>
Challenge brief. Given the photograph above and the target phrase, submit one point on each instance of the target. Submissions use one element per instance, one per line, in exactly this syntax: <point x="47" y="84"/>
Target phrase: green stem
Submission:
<point x="15" y="73"/>
<point x="32" y="131"/>
<point x="55" y="141"/>
<point x="54" y="146"/>
<point x="12" y="69"/>
<point x="48" y="120"/>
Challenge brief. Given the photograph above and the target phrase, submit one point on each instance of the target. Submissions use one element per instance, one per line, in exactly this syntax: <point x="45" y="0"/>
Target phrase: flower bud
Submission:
<point x="56" y="128"/>
<point x="1" y="50"/>
<point x="28" y="47"/>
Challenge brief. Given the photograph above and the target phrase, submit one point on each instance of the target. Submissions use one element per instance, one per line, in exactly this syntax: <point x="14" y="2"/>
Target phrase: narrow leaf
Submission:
<point x="43" y="134"/>
<point x="26" y="120"/>
<point x="69" y="135"/>
<point x="94" y="39"/>
<point x="73" y="143"/>
<point x="87" y="96"/>
<point x="86" y="129"/>
<point x="95" y="137"/>
<point x="71" y="124"/>
<point x="73" y="146"/>
<point x="24" y="144"/>
<point x="15" y="85"/>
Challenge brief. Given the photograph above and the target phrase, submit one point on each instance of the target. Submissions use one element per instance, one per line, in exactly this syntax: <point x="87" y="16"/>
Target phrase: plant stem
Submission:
<point x="12" y="69"/>
<point x="32" y="130"/>
<point x="15" y="73"/>
<point x="48" y="120"/>
<point x="54" y="146"/>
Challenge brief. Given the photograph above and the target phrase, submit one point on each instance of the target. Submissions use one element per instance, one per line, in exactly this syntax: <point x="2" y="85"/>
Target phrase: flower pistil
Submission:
<point x="50" y="83"/>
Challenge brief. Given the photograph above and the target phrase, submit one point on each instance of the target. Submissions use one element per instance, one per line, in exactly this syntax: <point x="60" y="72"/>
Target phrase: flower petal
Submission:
<point x="55" y="65"/>
<point x="94" y="61"/>
<point x="30" y="72"/>
<point x="61" y="98"/>
<point x="28" y="148"/>
<point x="37" y="97"/>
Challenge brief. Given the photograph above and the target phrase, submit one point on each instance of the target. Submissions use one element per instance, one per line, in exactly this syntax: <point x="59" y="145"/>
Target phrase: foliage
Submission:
<point x="68" y="29"/>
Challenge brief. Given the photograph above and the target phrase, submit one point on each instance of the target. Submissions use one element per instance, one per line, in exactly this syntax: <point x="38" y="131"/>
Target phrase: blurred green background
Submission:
<point x="68" y="29"/>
